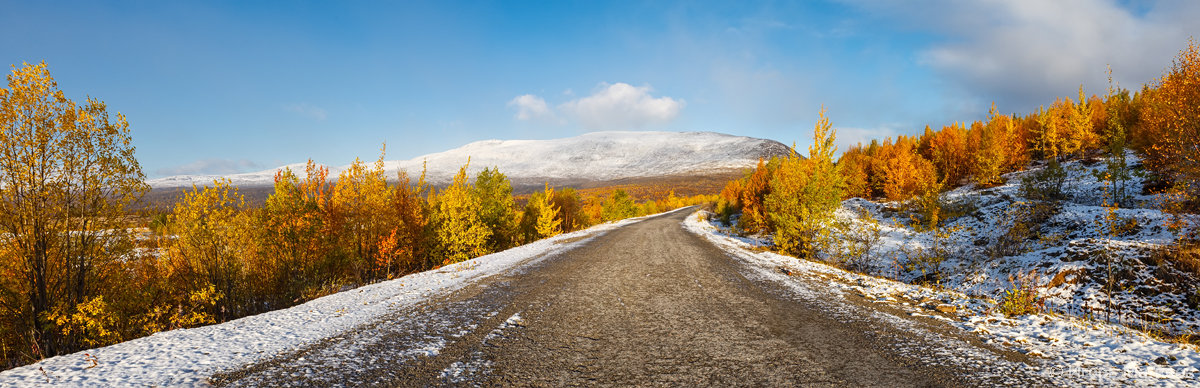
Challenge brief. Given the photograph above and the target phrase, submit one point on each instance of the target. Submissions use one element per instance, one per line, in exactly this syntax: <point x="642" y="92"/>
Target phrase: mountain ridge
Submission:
<point x="594" y="156"/>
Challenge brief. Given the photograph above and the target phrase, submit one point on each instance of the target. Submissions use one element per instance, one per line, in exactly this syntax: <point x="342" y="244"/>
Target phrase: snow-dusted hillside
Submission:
<point x="1065" y="256"/>
<point x="995" y="237"/>
<point x="994" y="240"/>
<point x="597" y="156"/>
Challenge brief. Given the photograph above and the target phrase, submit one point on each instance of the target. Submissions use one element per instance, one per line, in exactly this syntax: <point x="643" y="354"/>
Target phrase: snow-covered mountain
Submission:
<point x="597" y="156"/>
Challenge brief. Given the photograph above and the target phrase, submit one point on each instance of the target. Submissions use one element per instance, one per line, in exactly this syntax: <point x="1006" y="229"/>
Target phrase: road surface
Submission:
<point x="648" y="304"/>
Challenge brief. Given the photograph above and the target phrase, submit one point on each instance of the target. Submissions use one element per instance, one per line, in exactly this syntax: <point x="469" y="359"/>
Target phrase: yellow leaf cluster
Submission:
<point x="548" y="221"/>
<point x="458" y="229"/>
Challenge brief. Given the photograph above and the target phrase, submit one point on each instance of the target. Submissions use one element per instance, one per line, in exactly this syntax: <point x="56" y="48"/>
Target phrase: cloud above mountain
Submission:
<point x="618" y="106"/>
<point x="622" y="106"/>
<point x="531" y="107"/>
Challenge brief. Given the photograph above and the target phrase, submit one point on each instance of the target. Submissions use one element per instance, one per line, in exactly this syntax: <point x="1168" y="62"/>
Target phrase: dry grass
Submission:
<point x="1186" y="258"/>
<point x="1177" y="264"/>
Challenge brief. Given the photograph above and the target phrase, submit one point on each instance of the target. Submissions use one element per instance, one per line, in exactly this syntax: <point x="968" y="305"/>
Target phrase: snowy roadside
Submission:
<point x="187" y="357"/>
<point x="995" y="237"/>
<point x="1067" y="350"/>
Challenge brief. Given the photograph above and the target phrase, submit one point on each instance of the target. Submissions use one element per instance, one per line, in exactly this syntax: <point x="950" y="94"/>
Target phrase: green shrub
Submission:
<point x="852" y="246"/>
<point x="1022" y="298"/>
<point x="1045" y="184"/>
<point x="724" y="211"/>
<point x="158" y="222"/>
<point x="927" y="206"/>
<point x="618" y="206"/>
<point x="1018" y="301"/>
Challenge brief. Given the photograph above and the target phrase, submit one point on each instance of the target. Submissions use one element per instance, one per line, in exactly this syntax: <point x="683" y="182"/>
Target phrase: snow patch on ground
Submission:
<point x="475" y="365"/>
<point x="187" y="357"/>
<point x="514" y="321"/>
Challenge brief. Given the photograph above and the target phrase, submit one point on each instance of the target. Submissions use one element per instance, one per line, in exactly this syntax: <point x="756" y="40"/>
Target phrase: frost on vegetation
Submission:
<point x="1061" y="277"/>
<point x="1064" y="251"/>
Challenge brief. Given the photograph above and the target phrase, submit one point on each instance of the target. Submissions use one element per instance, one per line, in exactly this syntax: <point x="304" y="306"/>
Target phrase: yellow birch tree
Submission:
<point x="460" y="232"/>
<point x="67" y="172"/>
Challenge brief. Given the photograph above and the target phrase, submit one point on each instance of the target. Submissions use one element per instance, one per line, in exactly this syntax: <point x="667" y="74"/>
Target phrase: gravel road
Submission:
<point x="648" y="304"/>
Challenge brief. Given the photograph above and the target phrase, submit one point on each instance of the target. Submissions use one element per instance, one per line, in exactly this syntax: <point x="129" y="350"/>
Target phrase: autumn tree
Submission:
<point x="295" y="233"/>
<point x="855" y="168"/>
<point x="1046" y="136"/>
<point x="361" y="197"/>
<point x="1078" y="118"/>
<point x="548" y="224"/>
<point x="805" y="192"/>
<point x="905" y="170"/>
<point x="948" y="150"/>
<point x="991" y="156"/>
<point x="460" y="232"/>
<point x="1016" y="148"/>
<point x="414" y="243"/>
<point x="527" y="219"/>
<point x="67" y="173"/>
<point x="493" y="190"/>
<point x="570" y="209"/>
<point x="1170" y="118"/>
<point x="1065" y="128"/>
<point x="534" y="219"/>
<point x="877" y="154"/>
<point x="755" y="188"/>
<point x="212" y="235"/>
<point x="618" y="206"/>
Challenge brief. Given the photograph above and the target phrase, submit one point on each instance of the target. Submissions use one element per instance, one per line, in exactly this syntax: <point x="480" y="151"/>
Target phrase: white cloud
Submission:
<point x="622" y="106"/>
<point x="307" y="110"/>
<point x="1026" y="52"/>
<point x="211" y="167"/>
<point x="531" y="107"/>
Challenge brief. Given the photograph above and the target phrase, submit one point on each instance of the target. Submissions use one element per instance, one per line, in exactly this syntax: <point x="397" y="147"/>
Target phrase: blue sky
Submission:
<point x="222" y="87"/>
